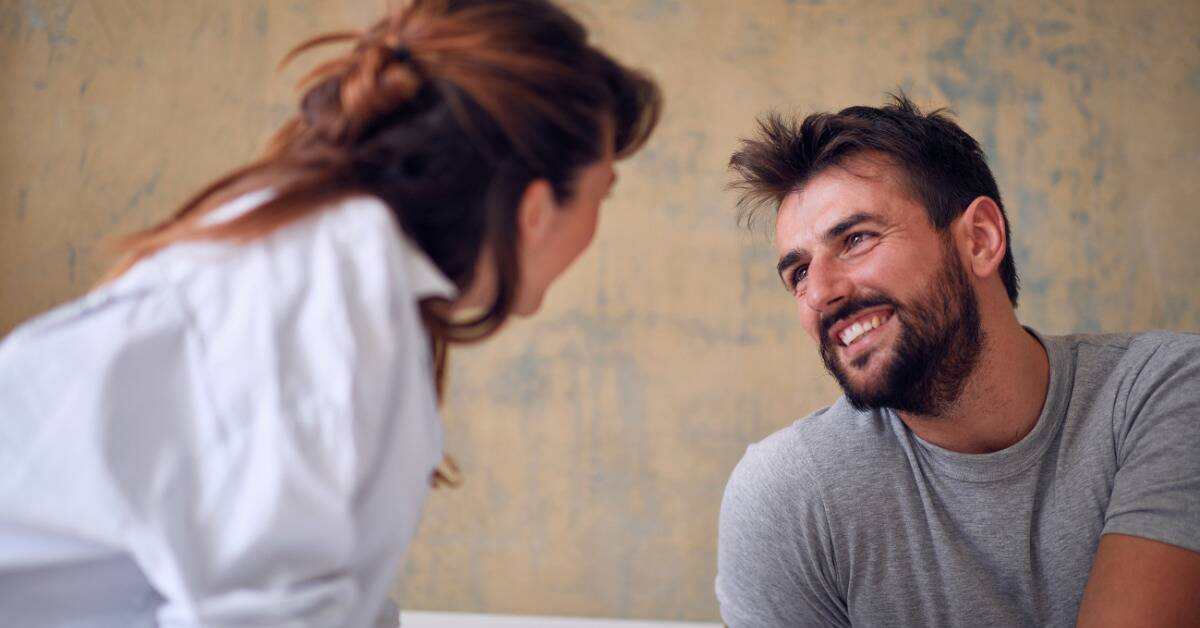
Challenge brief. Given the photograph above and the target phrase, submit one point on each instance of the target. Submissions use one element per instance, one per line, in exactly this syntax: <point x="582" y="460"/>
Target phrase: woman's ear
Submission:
<point x="981" y="234"/>
<point x="536" y="212"/>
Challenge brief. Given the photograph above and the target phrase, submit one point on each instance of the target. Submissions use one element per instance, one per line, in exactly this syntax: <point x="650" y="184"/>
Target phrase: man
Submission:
<point x="975" y="473"/>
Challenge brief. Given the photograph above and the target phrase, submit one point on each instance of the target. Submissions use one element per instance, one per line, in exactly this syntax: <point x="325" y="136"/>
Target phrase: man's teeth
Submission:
<point x="853" y="332"/>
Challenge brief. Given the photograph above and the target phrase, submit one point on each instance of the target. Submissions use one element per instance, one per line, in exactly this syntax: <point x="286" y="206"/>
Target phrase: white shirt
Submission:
<point x="226" y="435"/>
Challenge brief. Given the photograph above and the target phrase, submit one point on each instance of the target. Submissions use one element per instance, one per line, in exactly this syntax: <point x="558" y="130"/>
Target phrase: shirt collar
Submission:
<point x="423" y="275"/>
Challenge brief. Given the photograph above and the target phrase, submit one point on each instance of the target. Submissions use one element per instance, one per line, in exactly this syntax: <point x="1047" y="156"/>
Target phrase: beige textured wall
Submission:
<point x="597" y="438"/>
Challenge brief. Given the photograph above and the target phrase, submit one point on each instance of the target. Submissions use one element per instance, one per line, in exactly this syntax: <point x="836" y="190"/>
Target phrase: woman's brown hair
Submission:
<point x="445" y="110"/>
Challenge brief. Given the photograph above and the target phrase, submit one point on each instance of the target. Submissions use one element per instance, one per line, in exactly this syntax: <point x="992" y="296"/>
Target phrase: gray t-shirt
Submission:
<point x="848" y="518"/>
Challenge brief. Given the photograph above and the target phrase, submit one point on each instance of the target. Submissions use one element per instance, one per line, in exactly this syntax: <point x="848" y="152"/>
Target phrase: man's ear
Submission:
<point x="536" y="212"/>
<point x="980" y="231"/>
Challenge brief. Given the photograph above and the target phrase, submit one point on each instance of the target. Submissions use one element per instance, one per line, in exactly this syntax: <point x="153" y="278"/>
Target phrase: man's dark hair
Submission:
<point x="944" y="166"/>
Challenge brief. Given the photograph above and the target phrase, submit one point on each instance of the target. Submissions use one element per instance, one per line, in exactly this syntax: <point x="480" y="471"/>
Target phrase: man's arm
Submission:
<point x="1139" y="582"/>
<point x="774" y="554"/>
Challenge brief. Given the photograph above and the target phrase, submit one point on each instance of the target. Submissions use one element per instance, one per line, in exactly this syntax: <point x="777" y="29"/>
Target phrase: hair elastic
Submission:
<point x="401" y="54"/>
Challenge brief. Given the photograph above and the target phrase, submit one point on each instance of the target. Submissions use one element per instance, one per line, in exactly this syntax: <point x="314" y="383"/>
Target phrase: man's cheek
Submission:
<point x="809" y="323"/>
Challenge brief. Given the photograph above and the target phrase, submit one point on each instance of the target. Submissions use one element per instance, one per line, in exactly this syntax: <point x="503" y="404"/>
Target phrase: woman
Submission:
<point x="239" y="427"/>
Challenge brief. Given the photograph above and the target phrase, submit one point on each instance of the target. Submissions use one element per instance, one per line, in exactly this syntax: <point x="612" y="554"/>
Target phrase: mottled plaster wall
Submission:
<point x="597" y="438"/>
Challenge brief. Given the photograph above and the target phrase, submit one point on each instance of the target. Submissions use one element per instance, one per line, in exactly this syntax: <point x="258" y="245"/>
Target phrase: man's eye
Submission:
<point x="856" y="239"/>
<point x="799" y="275"/>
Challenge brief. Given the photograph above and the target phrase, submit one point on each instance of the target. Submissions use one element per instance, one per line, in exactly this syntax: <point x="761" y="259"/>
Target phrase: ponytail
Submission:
<point x="445" y="110"/>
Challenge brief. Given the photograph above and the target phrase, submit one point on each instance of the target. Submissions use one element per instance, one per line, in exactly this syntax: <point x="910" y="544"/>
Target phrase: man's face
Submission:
<point x="882" y="293"/>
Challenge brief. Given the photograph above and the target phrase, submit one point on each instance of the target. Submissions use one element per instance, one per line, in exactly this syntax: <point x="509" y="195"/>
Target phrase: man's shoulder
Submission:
<point x="1165" y="345"/>
<point x="834" y="442"/>
<point x="1132" y="355"/>
<point x="1134" y="344"/>
<point x="832" y="429"/>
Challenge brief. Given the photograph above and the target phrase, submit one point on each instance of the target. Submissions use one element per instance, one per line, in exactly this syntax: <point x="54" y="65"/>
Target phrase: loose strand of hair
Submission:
<point x="142" y="243"/>
<point x="315" y="42"/>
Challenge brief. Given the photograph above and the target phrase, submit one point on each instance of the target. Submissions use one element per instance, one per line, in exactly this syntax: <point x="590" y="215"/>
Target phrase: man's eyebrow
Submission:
<point x="789" y="259"/>
<point x="847" y="224"/>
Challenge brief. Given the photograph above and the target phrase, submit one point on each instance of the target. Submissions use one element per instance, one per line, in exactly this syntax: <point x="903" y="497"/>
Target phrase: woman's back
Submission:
<point x="220" y="398"/>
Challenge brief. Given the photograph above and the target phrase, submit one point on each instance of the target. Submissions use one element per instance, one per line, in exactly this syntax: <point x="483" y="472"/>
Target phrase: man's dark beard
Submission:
<point x="938" y="346"/>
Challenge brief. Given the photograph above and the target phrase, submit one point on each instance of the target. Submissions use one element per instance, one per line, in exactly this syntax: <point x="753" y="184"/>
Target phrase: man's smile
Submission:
<point x="851" y="330"/>
<point x="855" y="335"/>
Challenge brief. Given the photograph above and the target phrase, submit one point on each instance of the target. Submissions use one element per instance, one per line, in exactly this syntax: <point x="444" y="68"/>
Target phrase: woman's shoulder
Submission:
<point x="320" y="296"/>
<point x="351" y="242"/>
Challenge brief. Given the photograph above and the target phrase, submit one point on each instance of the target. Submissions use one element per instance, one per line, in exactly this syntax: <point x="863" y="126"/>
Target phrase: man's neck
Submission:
<point x="1001" y="401"/>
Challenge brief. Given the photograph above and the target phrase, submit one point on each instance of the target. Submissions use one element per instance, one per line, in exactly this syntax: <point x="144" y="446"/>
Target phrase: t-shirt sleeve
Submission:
<point x="775" y="564"/>
<point x="1156" y="490"/>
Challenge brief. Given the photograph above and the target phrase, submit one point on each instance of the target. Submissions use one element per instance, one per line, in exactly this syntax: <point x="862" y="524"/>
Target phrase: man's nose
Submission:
<point x="827" y="287"/>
